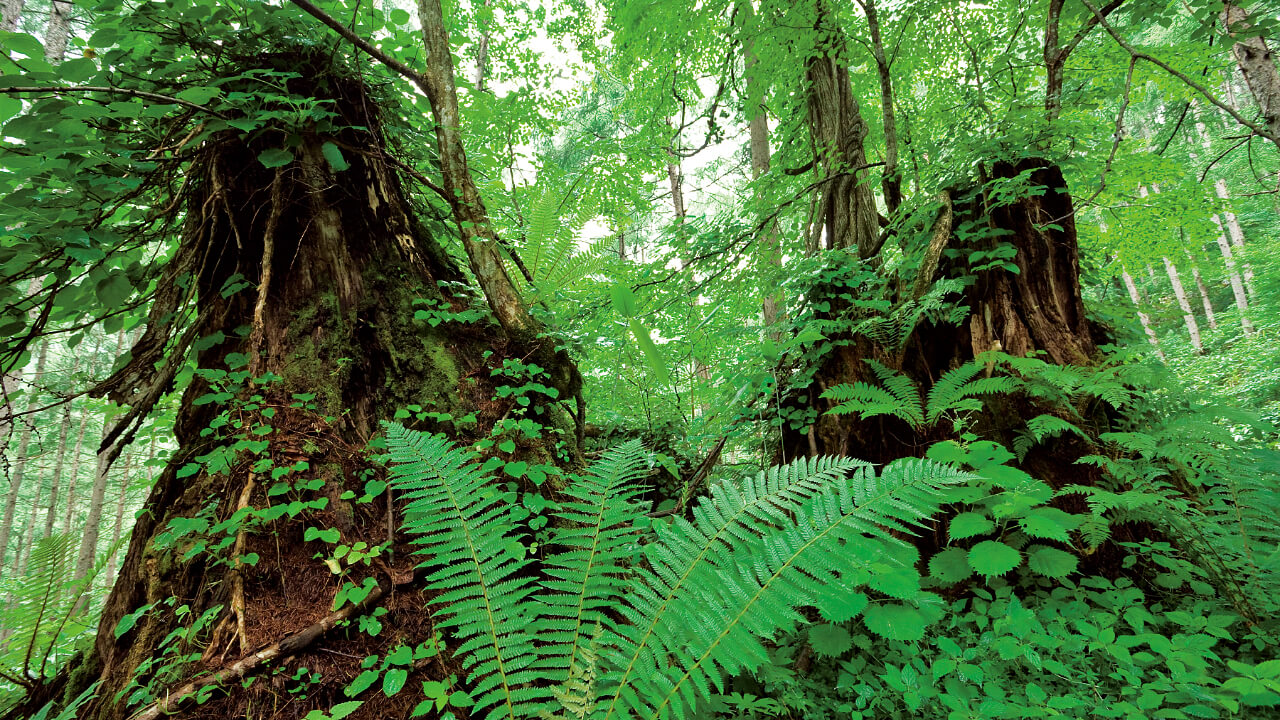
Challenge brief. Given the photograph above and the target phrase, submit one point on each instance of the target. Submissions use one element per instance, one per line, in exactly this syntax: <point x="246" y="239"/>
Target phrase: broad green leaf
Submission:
<point x="950" y="565"/>
<point x="830" y="640"/>
<point x="968" y="524"/>
<point x="895" y="621"/>
<point x="992" y="557"/>
<point x="1050" y="562"/>
<point x="333" y="155"/>
<point x="275" y="157"/>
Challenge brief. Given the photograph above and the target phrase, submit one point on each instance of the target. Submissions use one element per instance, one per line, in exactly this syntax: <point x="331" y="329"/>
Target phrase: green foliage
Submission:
<point x="956" y="392"/>
<point x="711" y="589"/>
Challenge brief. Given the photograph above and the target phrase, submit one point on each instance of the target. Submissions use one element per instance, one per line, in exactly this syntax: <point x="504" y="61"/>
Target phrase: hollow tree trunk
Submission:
<point x="1038" y="309"/>
<point x="345" y="258"/>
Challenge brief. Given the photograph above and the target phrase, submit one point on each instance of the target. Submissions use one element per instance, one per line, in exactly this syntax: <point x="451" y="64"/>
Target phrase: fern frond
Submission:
<point x="462" y="520"/>
<point x="958" y="385"/>
<point x="732" y="514"/>
<point x="747" y="592"/>
<point x="39" y="602"/>
<point x="866" y="400"/>
<point x="586" y="573"/>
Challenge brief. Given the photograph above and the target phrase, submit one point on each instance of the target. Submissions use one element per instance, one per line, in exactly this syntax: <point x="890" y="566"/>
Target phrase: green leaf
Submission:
<point x="394" y="680"/>
<point x="992" y="557"/>
<point x="1049" y="523"/>
<point x="1050" y="562"/>
<point x="333" y="155"/>
<point x="895" y="622"/>
<point x="114" y="290"/>
<point x="275" y="157"/>
<point x="624" y="300"/>
<point x="363" y="682"/>
<point x="968" y="524"/>
<point x="398" y="17"/>
<point x="342" y="710"/>
<point x="652" y="355"/>
<point x="830" y="640"/>
<point x="950" y="565"/>
<point x="200" y="96"/>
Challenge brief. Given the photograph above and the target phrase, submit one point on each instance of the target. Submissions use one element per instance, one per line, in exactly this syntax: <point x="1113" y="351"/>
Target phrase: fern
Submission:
<point x="957" y="390"/>
<point x="463" y="522"/>
<point x="616" y="638"/>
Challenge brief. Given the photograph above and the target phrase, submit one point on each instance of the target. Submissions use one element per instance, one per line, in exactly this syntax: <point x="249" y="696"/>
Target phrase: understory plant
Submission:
<point x="624" y="615"/>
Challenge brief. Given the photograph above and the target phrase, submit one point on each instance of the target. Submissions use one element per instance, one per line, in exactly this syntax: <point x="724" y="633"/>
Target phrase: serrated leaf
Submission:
<point x="968" y="524"/>
<point x="895" y="622"/>
<point x="1050" y="562"/>
<point x="341" y="710"/>
<point x="899" y="582"/>
<point x="830" y="640"/>
<point x="992" y="557"/>
<point x="950" y="565"/>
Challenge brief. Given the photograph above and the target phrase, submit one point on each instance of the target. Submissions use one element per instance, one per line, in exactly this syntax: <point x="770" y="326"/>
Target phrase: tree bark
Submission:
<point x="64" y="429"/>
<point x="770" y="241"/>
<point x="21" y="456"/>
<point x="1193" y="328"/>
<point x="337" y="327"/>
<point x="110" y="575"/>
<point x="1136" y="299"/>
<point x="1229" y="223"/>
<point x="1204" y="295"/>
<point x="1256" y="63"/>
<point x="57" y="31"/>
<point x="10" y="14"/>
<point x="73" y="480"/>
<point x="848" y="207"/>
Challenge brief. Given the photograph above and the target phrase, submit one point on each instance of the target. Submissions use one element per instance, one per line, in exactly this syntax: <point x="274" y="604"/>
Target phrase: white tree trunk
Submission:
<point x="1204" y="295"/>
<point x="119" y="526"/>
<point x="1193" y="328"/>
<point x="1142" y="316"/>
<point x="1237" y="286"/>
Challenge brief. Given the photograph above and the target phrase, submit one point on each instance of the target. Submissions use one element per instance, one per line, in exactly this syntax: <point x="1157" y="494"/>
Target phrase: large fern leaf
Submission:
<point x="745" y="591"/>
<point x="957" y="390"/>
<point x="733" y="513"/>
<point x="463" y="522"/>
<point x="586" y="573"/>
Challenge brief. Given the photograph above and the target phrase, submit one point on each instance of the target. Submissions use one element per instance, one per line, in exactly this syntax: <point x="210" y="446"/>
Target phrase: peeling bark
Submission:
<point x="1256" y="64"/>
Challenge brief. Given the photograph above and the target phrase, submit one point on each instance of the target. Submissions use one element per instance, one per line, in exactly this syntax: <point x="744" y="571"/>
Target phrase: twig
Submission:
<point x="119" y="91"/>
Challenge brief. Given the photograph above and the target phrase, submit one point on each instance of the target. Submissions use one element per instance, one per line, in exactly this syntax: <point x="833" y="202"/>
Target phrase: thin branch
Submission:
<point x="347" y="34"/>
<point x="58" y="89"/>
<point x="1137" y="55"/>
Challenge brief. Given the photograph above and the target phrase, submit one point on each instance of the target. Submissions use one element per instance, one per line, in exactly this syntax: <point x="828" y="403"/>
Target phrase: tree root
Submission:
<point x="290" y="645"/>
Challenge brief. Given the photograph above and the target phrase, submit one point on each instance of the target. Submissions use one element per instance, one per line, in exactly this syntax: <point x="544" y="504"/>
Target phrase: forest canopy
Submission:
<point x="615" y="359"/>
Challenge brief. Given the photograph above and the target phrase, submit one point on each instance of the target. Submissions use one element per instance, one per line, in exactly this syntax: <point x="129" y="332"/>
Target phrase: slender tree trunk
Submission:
<point x="20" y="457"/>
<point x="892" y="182"/>
<point x="97" y="498"/>
<point x="758" y="131"/>
<point x="1237" y="286"/>
<point x="10" y="14"/>
<point x="119" y="526"/>
<point x="1193" y="328"/>
<point x="482" y="54"/>
<point x="64" y="429"/>
<point x="28" y="537"/>
<point x="847" y="208"/>
<point x="1229" y="223"/>
<point x="1256" y="64"/>
<point x="1204" y="295"/>
<point x="1142" y="316"/>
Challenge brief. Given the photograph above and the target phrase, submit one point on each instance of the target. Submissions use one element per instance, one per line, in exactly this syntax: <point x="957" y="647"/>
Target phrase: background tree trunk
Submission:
<point x="21" y="456"/>
<point x="1193" y="329"/>
<point x="1256" y="64"/>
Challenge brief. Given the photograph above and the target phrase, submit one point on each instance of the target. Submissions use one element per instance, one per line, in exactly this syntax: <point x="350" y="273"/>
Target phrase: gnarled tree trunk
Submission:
<point x="338" y="260"/>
